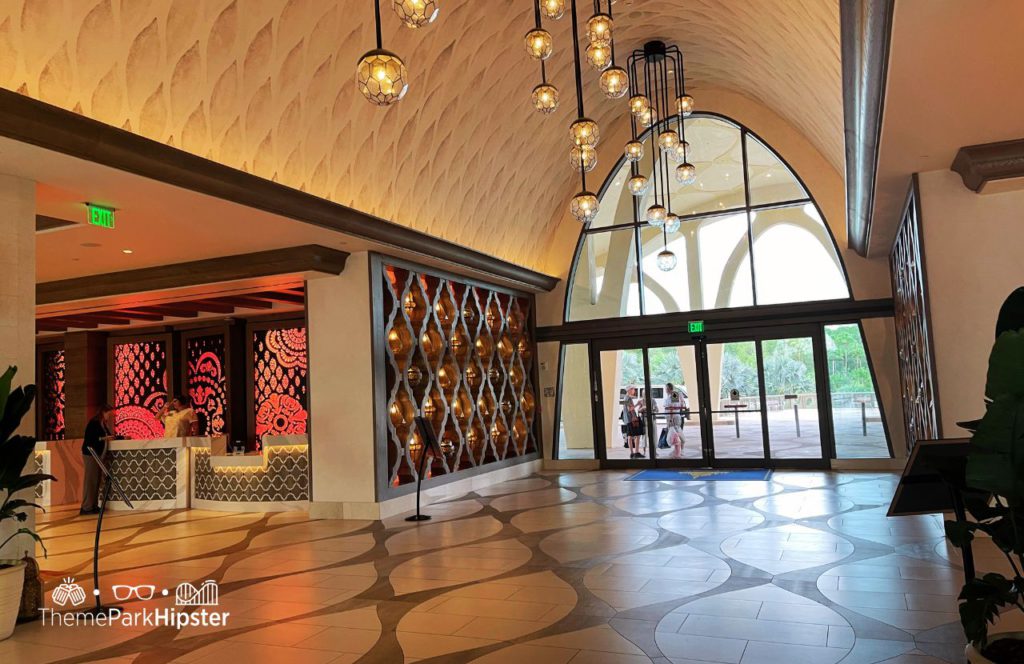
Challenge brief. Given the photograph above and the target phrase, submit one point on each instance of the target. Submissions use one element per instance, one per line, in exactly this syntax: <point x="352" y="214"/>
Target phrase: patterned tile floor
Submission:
<point x="560" y="567"/>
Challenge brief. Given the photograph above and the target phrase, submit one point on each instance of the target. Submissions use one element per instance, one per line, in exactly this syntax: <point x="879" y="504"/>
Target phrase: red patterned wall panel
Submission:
<point x="140" y="388"/>
<point x="913" y="332"/>
<point x="51" y="401"/>
<point x="207" y="382"/>
<point x="280" y="379"/>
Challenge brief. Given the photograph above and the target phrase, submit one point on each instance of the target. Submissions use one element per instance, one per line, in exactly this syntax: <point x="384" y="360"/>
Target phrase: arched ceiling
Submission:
<point x="266" y="86"/>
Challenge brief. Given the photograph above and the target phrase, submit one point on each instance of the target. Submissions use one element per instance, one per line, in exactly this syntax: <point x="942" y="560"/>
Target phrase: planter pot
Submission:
<point x="11" y="580"/>
<point x="975" y="657"/>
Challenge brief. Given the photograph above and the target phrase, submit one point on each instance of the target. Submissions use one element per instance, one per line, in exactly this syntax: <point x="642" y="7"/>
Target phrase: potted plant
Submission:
<point x="15" y="452"/>
<point x="993" y="493"/>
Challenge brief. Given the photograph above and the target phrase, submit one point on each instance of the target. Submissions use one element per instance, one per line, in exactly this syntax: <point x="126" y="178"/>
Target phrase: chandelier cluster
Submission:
<point x="658" y="101"/>
<point x="658" y="90"/>
<point x="381" y="75"/>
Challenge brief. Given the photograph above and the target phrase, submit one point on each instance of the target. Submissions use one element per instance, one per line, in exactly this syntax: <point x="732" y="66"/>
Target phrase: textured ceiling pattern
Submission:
<point x="267" y="86"/>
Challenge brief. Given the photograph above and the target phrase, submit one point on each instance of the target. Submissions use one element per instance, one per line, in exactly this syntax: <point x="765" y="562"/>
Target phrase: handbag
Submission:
<point x="663" y="440"/>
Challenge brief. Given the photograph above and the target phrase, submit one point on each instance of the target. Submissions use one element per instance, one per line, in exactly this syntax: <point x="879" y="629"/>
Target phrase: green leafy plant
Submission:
<point x="993" y="490"/>
<point x="14" y="455"/>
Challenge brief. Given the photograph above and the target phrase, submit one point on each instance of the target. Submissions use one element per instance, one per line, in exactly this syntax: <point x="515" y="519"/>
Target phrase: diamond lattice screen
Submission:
<point x="462" y="356"/>
<point x="140" y="388"/>
<point x="207" y="383"/>
<point x="280" y="378"/>
<point x="52" y="395"/>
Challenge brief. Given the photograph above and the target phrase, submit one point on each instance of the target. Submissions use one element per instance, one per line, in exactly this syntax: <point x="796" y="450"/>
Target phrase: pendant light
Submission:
<point x="583" y="132"/>
<point x="539" y="46"/>
<point x="381" y="75"/>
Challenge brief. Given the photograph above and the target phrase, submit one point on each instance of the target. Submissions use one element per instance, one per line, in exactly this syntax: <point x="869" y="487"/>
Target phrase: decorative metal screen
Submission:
<point x="462" y="356"/>
<point x="140" y="388"/>
<point x="280" y="379"/>
<point x="207" y="383"/>
<point x="51" y="399"/>
<point x="913" y="334"/>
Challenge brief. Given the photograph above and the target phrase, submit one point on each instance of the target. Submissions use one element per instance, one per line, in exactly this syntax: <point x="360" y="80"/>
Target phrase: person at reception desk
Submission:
<point x="98" y="432"/>
<point x="178" y="417"/>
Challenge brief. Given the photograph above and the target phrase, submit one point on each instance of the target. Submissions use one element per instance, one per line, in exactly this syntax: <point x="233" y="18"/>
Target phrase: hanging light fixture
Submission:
<point x="540" y="45"/>
<point x="381" y="75"/>
<point x="553" y="9"/>
<point x="658" y="101"/>
<point x="416" y="13"/>
<point x="583" y="132"/>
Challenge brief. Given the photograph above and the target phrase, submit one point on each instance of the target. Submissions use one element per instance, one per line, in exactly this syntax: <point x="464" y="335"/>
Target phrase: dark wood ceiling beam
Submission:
<point x="38" y="123"/>
<point x="131" y="314"/>
<point x="50" y="326"/>
<point x="292" y="260"/>
<point x="284" y="296"/>
<point x="213" y="306"/>
<point x="70" y="322"/>
<point x="866" y="29"/>
<point x="245" y="302"/>
<point x="977" y="165"/>
<point x="176" y="310"/>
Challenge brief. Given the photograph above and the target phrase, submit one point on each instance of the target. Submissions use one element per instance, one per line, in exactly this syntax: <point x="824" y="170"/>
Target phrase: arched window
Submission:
<point x="746" y="203"/>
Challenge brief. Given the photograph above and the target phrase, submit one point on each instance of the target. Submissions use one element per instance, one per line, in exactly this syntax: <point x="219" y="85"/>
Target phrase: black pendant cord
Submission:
<point x="576" y="60"/>
<point x="537" y="24"/>
<point x="376" y="16"/>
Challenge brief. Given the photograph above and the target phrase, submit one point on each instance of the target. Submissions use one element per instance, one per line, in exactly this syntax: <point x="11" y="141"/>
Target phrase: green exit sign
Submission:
<point x="696" y="327"/>
<point x="100" y="216"/>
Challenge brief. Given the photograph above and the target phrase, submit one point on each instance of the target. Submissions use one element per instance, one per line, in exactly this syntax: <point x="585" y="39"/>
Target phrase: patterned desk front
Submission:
<point x="284" y="478"/>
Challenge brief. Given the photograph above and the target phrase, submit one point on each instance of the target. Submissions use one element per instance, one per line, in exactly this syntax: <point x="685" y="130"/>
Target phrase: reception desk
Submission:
<point x="181" y="473"/>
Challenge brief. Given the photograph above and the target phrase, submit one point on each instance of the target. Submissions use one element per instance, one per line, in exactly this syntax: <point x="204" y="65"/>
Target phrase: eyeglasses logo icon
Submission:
<point x="207" y="594"/>
<point x="123" y="593"/>
<point x="68" y="592"/>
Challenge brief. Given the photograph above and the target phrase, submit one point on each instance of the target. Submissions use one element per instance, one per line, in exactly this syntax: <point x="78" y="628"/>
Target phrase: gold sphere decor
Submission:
<point x="584" y="131"/>
<point x="638" y="185"/>
<point x="634" y="151"/>
<point x="679" y="154"/>
<point x="599" y="29"/>
<point x="648" y="117"/>
<point x="638" y="105"/>
<point x="416" y="13"/>
<point x="539" y="44"/>
<point x="599" y="56"/>
<point x="656" y="215"/>
<point x="668" y="141"/>
<point x="584" y="158"/>
<point x="686" y="173"/>
<point x="553" y="9"/>
<point x="672" y="223"/>
<point x="684" y="105"/>
<point x="614" y="82"/>
<point x="666" y="261"/>
<point x="382" y="77"/>
<point x="584" y="207"/>
<point x="545" y="98"/>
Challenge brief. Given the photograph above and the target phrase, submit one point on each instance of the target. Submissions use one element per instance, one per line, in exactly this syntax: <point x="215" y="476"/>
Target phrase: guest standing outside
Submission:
<point x="98" y="433"/>
<point x="675" y="405"/>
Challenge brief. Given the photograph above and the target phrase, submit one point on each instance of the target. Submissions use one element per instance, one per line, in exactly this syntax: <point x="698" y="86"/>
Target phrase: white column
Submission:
<point x="17" y="306"/>
<point x="341" y="393"/>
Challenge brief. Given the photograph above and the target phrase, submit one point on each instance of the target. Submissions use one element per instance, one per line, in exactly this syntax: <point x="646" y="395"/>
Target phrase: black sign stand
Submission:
<point x="430" y="445"/>
<point x="110" y="483"/>
<point x="932" y="483"/>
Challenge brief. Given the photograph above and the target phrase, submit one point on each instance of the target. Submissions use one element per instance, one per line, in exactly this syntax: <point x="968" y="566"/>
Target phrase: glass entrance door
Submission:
<point x="649" y="406"/>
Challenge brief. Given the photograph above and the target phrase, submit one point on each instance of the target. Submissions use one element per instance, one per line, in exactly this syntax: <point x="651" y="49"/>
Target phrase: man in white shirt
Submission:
<point x="675" y="406"/>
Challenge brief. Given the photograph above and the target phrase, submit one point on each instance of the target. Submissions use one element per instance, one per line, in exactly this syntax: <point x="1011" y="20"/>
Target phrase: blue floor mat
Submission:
<point x="684" y="475"/>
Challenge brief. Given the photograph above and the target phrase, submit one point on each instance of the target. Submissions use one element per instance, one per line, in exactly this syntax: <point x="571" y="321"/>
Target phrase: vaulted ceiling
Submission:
<point x="266" y="86"/>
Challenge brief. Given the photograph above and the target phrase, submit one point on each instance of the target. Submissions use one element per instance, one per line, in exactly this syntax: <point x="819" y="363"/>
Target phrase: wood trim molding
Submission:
<point x="44" y="223"/>
<point x="37" y="123"/>
<point x="866" y="30"/>
<point x="306" y="258"/>
<point x="977" y="165"/>
<point x="719" y="320"/>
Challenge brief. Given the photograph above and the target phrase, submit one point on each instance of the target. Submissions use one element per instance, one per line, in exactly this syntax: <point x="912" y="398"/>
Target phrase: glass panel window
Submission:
<point x="734" y="383"/>
<point x="616" y="203"/>
<point x="795" y="259"/>
<point x="856" y="417"/>
<point x="770" y="180"/>
<point x="605" y="283"/>
<point x="716" y="150"/>
<point x="724" y="262"/>
<point x="667" y="291"/>
<point x="791" y="398"/>
<point x="625" y="420"/>
<point x="575" y="436"/>
<point x="676" y="402"/>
